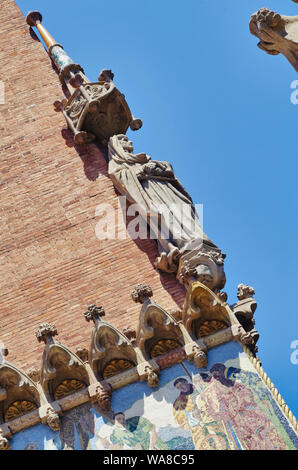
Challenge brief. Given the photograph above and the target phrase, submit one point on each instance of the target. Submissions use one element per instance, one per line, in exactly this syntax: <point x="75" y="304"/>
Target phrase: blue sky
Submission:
<point x="219" y="110"/>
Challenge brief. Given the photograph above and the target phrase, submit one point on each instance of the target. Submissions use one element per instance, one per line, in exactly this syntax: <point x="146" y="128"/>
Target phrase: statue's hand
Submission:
<point x="268" y="26"/>
<point x="161" y="169"/>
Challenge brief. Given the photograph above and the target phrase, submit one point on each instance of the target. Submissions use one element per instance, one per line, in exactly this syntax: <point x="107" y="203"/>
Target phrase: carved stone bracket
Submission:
<point x="277" y="34"/>
<point x="204" y="264"/>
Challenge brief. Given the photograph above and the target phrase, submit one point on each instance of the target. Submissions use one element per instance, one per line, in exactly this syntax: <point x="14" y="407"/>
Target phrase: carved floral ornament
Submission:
<point x="117" y="358"/>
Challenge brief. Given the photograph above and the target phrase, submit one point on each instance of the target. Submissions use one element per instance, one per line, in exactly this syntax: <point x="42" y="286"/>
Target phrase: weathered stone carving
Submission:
<point x="244" y="311"/>
<point x="277" y="34"/>
<point x="94" y="110"/>
<point x="165" y="205"/>
<point x="52" y="419"/>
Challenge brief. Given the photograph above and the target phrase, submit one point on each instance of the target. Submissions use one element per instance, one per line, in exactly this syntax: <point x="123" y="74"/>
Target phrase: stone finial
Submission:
<point x="33" y="17"/>
<point x="141" y="293"/>
<point x="82" y="353"/>
<point x="34" y="374"/>
<point x="94" y="313"/>
<point x="45" y="330"/>
<point x="245" y="291"/>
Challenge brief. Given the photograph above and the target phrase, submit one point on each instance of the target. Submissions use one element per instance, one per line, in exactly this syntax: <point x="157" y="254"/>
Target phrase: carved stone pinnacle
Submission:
<point x="141" y="293"/>
<point x="33" y="17"/>
<point x="93" y="313"/>
<point x="44" y="331"/>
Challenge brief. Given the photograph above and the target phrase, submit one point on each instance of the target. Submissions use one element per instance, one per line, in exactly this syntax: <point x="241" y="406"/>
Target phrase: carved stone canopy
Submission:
<point x="62" y="372"/>
<point x="277" y="34"/>
<point x="19" y="393"/>
<point x="111" y="352"/>
<point x="158" y="332"/>
<point x="204" y="313"/>
<point x="97" y="110"/>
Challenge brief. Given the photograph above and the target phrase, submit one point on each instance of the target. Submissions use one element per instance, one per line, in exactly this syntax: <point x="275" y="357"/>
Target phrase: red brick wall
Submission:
<point x="52" y="266"/>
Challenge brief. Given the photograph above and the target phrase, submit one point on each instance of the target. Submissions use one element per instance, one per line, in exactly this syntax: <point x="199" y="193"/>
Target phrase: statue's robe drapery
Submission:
<point x="155" y="194"/>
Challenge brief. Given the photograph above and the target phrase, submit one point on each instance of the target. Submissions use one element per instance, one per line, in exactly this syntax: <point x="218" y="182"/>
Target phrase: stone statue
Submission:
<point x="169" y="211"/>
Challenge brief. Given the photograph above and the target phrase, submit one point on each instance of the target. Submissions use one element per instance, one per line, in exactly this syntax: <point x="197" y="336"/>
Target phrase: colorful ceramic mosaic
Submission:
<point x="225" y="406"/>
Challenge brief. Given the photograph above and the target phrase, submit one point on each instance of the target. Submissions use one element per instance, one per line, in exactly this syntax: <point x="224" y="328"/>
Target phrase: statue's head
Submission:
<point x="125" y="143"/>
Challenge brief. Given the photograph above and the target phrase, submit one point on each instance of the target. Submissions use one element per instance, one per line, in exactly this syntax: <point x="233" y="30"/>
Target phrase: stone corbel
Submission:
<point x="99" y="392"/>
<point x="48" y="412"/>
<point x="204" y="264"/>
<point x="244" y="311"/>
<point x="278" y="34"/>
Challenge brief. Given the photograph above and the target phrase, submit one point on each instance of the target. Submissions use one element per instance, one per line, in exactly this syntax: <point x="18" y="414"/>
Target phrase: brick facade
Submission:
<point x="52" y="266"/>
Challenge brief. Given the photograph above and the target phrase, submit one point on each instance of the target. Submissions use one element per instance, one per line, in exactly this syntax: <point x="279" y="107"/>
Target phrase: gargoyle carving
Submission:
<point x="244" y="311"/>
<point x="277" y="34"/>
